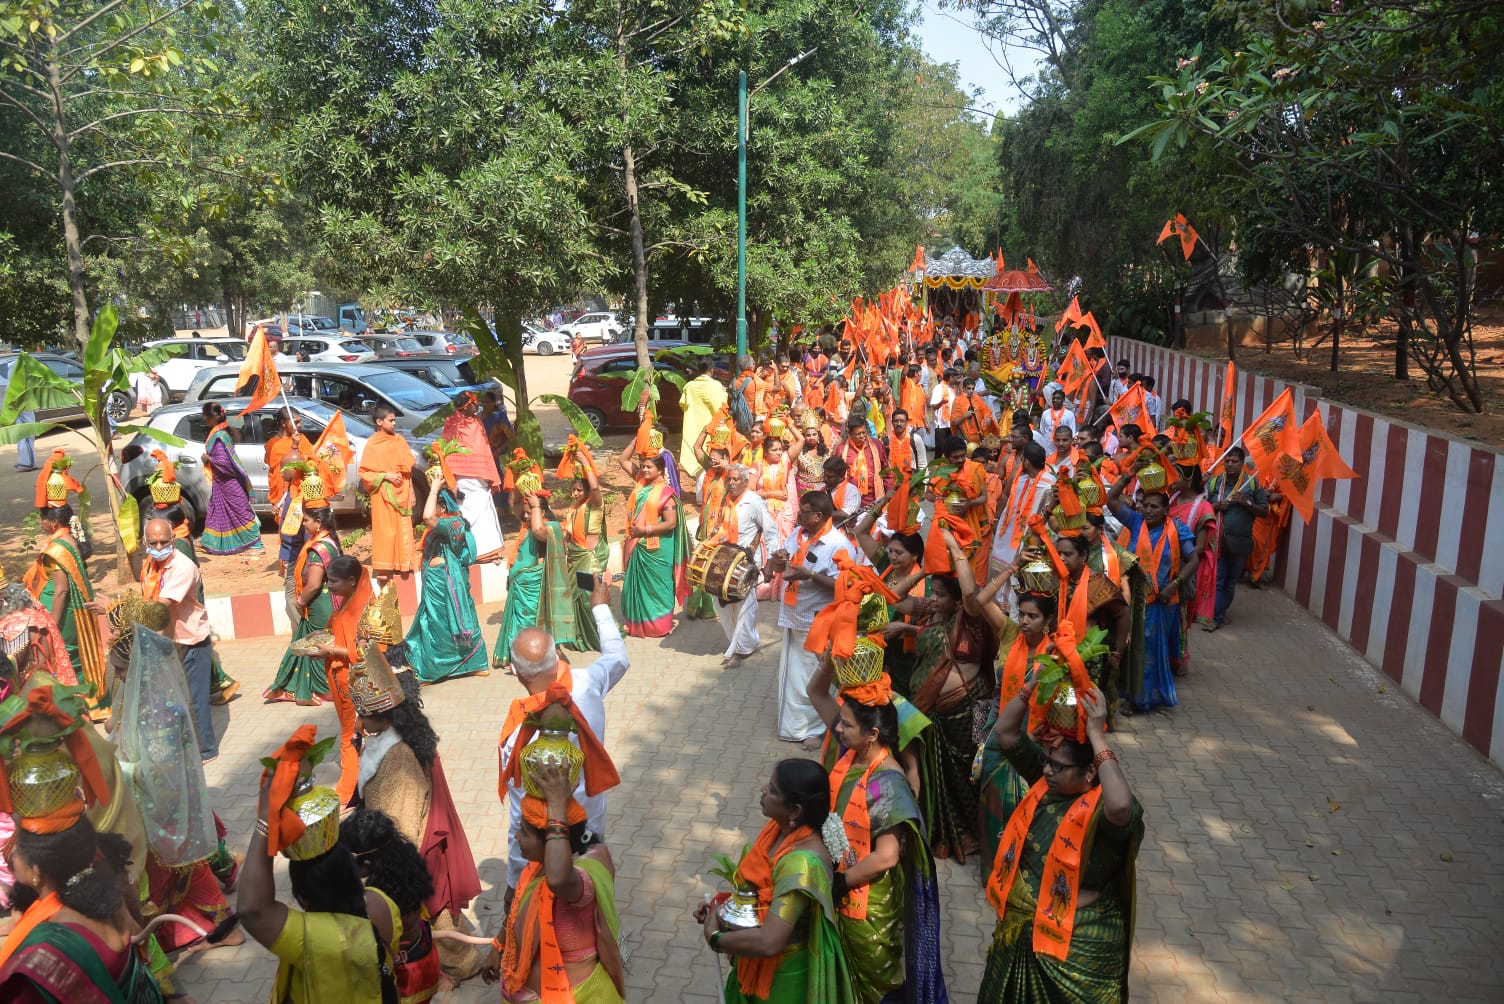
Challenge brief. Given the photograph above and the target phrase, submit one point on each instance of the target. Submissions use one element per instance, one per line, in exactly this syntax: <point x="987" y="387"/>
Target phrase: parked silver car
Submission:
<point x="250" y="433"/>
<point x="354" y="388"/>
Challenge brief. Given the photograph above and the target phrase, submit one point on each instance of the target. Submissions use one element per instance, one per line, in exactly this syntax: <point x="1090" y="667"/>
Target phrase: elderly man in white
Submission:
<point x="744" y="520"/>
<point x="808" y="563"/>
<point x="535" y="660"/>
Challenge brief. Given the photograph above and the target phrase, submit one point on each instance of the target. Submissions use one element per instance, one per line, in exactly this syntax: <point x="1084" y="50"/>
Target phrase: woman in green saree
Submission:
<point x="794" y="956"/>
<point x="655" y="552"/>
<point x="953" y="684"/>
<point x="885" y="889"/>
<point x="301" y="678"/>
<point x="60" y="582"/>
<point x="1063" y="880"/>
<point x="445" y="639"/>
<point x="541" y="587"/>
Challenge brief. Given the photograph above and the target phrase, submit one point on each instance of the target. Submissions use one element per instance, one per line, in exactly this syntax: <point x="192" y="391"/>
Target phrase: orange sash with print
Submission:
<point x="1055" y="909"/>
<point x="1149" y="556"/>
<point x="652" y="505"/>
<point x="755" y="976"/>
<point x="791" y="591"/>
<point x="537" y="931"/>
<point x="858" y="827"/>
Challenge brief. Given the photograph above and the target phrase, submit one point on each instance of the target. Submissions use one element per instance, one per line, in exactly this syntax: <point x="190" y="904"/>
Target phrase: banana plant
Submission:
<point x="107" y="369"/>
<point x="647" y="378"/>
<point x="496" y="360"/>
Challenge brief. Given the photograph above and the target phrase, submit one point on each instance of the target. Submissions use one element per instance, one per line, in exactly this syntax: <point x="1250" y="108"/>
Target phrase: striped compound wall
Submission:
<point x="1405" y="562"/>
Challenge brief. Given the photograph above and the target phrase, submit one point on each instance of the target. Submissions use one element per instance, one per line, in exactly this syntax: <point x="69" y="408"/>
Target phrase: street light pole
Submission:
<point x="742" y="129"/>
<point x="741" y="215"/>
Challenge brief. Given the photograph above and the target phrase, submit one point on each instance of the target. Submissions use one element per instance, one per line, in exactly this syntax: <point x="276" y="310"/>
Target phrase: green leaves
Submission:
<point x="150" y="432"/>
<point x="34" y="387"/>
<point x="577" y="418"/>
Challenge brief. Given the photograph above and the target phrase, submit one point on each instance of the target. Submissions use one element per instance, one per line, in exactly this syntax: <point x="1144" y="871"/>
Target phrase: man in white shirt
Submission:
<point x="535" y="661"/>
<point x="745" y="516"/>
<point x="1153" y="403"/>
<point x="808" y="563"/>
<point x="941" y="400"/>
<point x="1120" y="385"/>
<point x="844" y="496"/>
<point x="1027" y="497"/>
<point x="1058" y="413"/>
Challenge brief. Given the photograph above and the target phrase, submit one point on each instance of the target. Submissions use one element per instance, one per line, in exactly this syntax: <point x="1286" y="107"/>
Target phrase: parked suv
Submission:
<point x="337" y="347"/>
<point x="543" y="342"/>
<point x="450" y="343"/>
<point x="355" y="389"/>
<point x="177" y="373"/>
<point x="601" y="375"/>
<point x="600" y="326"/>
<point x="250" y="433"/>
<point x="450" y="375"/>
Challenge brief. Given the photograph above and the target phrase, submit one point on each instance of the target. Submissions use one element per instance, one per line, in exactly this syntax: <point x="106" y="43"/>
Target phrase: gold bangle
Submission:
<point x="1102" y="758"/>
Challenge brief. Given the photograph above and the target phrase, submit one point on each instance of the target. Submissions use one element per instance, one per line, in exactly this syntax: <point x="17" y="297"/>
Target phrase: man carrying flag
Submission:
<point x="1238" y="499"/>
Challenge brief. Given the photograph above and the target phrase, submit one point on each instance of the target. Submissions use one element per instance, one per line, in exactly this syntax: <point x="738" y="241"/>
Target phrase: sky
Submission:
<point x="949" y="37"/>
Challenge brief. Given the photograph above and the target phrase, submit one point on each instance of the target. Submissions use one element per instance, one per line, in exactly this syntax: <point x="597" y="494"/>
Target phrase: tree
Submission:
<point x="1372" y="128"/>
<point x="87" y="89"/>
<point x="107" y="369"/>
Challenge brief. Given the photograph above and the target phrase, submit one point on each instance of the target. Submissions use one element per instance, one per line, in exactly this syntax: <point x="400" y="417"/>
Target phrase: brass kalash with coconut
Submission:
<point x="48" y="772"/>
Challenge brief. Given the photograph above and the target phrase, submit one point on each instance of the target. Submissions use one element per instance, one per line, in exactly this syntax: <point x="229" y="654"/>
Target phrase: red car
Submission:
<point x="602" y="373"/>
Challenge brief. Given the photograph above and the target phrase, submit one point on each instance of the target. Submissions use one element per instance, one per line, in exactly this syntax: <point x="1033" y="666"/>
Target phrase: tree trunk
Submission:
<point x="1336" y="334"/>
<point x="639" y="256"/>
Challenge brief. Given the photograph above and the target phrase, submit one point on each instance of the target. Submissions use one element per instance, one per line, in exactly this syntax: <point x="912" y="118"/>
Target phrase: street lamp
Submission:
<point x="742" y="131"/>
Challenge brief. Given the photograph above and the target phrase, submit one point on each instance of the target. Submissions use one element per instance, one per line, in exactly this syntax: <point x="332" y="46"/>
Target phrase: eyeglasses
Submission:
<point x="1056" y="767"/>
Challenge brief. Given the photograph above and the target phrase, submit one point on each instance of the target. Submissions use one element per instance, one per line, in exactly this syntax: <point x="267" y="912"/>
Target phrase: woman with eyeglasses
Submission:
<point x="1062" y="881"/>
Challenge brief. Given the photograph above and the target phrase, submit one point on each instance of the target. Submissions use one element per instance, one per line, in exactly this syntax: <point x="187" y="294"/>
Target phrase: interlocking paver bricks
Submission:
<point x="1282" y="751"/>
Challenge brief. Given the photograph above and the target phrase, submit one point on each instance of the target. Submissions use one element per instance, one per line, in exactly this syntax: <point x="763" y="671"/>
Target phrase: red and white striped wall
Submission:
<point x="1405" y="562"/>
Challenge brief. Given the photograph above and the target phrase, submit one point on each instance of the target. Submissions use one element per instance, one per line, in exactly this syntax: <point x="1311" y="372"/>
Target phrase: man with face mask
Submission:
<point x="168" y="576"/>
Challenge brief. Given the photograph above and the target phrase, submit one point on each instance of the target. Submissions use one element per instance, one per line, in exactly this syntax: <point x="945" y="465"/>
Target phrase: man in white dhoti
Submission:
<point x="807" y="561"/>
<point x="476" y="476"/>
<point x="744" y="520"/>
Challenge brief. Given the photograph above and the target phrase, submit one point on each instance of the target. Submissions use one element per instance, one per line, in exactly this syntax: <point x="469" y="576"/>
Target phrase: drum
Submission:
<point x="722" y="570"/>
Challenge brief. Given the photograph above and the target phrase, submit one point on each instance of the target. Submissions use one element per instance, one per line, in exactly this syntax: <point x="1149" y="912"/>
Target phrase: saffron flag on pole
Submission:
<point x="1071" y="315"/>
<point x="1132" y="409"/>
<point x="258" y="374"/>
<point x="1317" y="460"/>
<point x="1273" y="433"/>
<point x="1180" y="227"/>
<point x="1229" y="403"/>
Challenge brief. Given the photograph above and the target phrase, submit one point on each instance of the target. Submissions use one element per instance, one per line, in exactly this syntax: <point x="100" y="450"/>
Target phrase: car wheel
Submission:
<point x="545" y="348"/>
<point x="597" y="419"/>
<point x="118" y="407"/>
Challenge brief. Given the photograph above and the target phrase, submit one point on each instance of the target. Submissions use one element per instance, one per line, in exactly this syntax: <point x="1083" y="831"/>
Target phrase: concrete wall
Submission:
<point x="1406" y="562"/>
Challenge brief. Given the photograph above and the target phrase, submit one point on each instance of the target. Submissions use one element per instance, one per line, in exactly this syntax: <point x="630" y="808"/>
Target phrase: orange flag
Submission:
<point x="1095" y="339"/>
<point x="1318" y="460"/>
<point x="1273" y="433"/>
<point x="260" y="367"/>
<point x="335" y="438"/>
<point x="1071" y="316"/>
<point x="1075" y="370"/>
<point x="1131" y="409"/>
<point x="918" y="258"/>
<point x="1180" y="227"/>
<point x="1229" y="402"/>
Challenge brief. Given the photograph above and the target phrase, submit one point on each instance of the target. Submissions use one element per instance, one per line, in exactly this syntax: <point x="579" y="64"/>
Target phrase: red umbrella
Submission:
<point x="1017" y="280"/>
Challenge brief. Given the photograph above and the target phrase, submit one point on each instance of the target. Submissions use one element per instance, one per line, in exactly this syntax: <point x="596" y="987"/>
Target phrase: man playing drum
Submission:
<point x="743" y="523"/>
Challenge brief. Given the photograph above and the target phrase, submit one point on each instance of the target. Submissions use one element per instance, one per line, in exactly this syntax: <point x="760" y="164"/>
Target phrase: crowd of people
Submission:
<point x="968" y="598"/>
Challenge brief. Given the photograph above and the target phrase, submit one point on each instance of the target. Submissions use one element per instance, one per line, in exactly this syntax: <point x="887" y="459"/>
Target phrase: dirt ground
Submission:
<point x="1366" y="377"/>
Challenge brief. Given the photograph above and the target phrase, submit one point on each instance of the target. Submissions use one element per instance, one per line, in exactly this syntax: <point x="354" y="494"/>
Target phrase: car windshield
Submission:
<point x="324" y="413"/>
<point x="407" y="390"/>
<point x="437" y="374"/>
<point x="320" y="323"/>
<point x="408" y="345"/>
<point x="458" y="338"/>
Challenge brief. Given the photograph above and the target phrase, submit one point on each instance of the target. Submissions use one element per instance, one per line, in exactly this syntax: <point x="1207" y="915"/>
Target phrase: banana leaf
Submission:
<point x="434" y="422"/>
<point x="165" y="438"/>
<point x="95" y="350"/>
<point x="529" y="434"/>
<point x="12" y="434"/>
<point x="577" y="418"/>
<point x="34" y="387"/>
<point x="129" y="524"/>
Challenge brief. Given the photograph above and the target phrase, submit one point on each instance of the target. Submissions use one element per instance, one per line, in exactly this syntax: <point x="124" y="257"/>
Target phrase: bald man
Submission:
<point x="535" y="661"/>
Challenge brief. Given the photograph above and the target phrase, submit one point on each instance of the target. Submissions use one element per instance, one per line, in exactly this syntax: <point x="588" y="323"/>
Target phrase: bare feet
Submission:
<point x="812" y="744"/>
<point x="235" y="937"/>
<point x="734" y="661"/>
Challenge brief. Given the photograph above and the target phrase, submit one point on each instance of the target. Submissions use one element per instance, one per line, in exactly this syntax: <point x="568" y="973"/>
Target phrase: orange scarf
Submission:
<point x="791" y="590"/>
<point x="579" y="524"/>
<point x="652" y="505"/>
<point x="715" y="496"/>
<point x="151" y="577"/>
<point x="755" y="976"/>
<point x="1020" y="505"/>
<point x="1073" y="601"/>
<point x="302" y="562"/>
<point x="283" y="826"/>
<point x="523" y="706"/>
<point x="936" y="554"/>
<point x="727" y="527"/>
<point x="901" y="452"/>
<point x="599" y="773"/>
<point x="1054" y="915"/>
<point x="535" y="938"/>
<point x="1111" y="566"/>
<point x="858" y="827"/>
<point x="1149" y="557"/>
<point x="835" y="624"/>
<point x="911" y="400"/>
<point x="36" y="914"/>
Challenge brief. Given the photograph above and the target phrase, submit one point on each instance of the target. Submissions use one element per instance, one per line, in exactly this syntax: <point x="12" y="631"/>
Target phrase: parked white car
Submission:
<point x="337" y="347"/>
<point x="545" y="343"/>
<point x="601" y="326"/>
<point x="177" y="373"/>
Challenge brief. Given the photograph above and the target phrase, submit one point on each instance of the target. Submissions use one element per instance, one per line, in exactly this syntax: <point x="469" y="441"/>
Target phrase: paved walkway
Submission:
<point x="1312" y="834"/>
